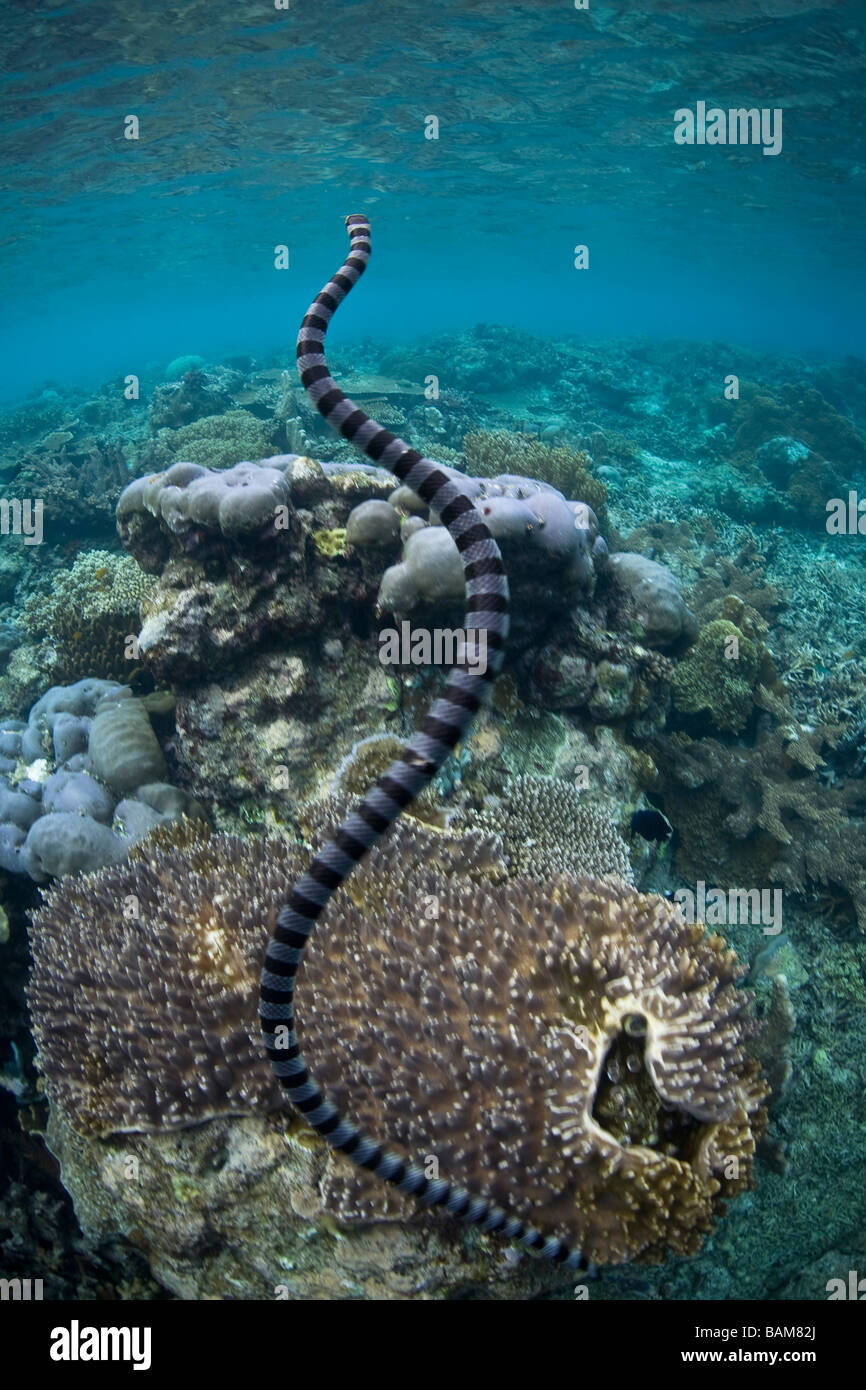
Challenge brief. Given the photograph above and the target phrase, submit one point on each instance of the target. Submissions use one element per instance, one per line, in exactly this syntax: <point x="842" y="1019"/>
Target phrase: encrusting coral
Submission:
<point x="572" y="1046"/>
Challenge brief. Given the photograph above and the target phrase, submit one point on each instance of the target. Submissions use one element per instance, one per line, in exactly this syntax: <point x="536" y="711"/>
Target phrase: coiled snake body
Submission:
<point x="447" y="721"/>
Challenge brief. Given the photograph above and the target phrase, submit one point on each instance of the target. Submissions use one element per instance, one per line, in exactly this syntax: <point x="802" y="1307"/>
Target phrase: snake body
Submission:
<point x="444" y="725"/>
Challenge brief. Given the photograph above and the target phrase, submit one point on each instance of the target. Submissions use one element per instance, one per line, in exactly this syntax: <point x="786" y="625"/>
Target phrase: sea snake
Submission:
<point x="445" y="724"/>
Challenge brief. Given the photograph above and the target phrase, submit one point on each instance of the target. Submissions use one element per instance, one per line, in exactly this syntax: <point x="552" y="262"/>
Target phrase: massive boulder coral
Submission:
<point x="82" y="780"/>
<point x="274" y="579"/>
<point x="660" y="606"/>
<point x="572" y="1046"/>
<point x="533" y="523"/>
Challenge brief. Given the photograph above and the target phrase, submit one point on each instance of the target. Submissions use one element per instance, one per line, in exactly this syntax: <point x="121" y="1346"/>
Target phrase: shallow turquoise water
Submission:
<point x="556" y="127"/>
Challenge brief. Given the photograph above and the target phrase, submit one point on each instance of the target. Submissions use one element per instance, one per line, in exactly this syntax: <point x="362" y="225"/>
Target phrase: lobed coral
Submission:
<point x="83" y="779"/>
<point x="546" y="538"/>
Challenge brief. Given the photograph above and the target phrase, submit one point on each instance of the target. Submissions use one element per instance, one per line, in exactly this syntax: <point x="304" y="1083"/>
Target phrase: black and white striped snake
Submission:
<point x="445" y="724"/>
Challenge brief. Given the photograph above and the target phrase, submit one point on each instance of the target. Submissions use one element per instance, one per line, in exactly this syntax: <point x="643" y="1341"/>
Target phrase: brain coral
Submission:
<point x="575" y="1048"/>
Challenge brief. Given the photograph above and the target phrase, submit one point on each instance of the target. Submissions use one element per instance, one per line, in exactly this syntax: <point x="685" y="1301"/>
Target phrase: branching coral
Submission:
<point x="215" y="441"/>
<point x="79" y="478"/>
<point x="746" y="813"/>
<point x="89" y="615"/>
<point x="574" y="1047"/>
<point x="491" y="452"/>
<point x="546" y="828"/>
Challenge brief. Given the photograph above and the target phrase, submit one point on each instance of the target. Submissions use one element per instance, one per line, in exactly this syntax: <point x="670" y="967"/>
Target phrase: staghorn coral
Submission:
<point x="575" y="1048"/>
<point x="88" y="616"/>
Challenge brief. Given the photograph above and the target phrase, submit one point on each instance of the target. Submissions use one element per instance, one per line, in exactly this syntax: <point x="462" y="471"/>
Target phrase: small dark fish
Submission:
<point x="652" y="825"/>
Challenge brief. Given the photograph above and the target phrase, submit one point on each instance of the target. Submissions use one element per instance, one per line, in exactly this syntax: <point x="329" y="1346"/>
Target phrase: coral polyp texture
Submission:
<point x="547" y="829"/>
<point x="571" y="1046"/>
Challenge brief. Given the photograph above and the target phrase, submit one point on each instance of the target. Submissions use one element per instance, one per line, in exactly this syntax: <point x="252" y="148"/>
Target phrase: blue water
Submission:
<point x="260" y="128"/>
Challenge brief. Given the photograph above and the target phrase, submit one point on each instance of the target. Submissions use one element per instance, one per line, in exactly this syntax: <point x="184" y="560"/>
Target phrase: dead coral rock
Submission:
<point x="233" y="1209"/>
<point x="659" y="604"/>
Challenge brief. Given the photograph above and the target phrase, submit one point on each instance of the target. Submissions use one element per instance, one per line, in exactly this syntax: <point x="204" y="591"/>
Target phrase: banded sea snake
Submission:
<point x="445" y="724"/>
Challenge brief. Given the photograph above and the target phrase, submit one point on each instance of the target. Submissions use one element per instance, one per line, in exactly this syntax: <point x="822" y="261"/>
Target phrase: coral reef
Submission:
<point x="88" y="618"/>
<point x="258" y="579"/>
<point x="83" y="780"/>
<point x="588" y="1102"/>
<point x="269" y="644"/>
<point x="490" y="453"/>
<point x="794" y="410"/>
<point x="718" y="676"/>
<point x="182" y="402"/>
<point x="78" y="476"/>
